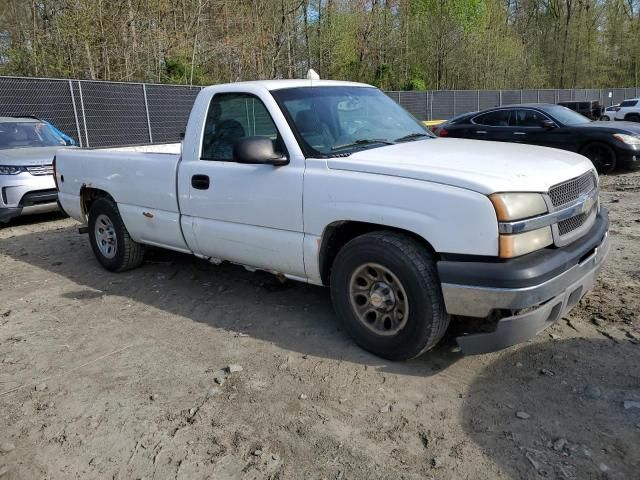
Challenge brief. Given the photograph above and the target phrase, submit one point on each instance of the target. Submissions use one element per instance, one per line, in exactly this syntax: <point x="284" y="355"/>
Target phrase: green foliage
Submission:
<point x="415" y="84"/>
<point x="394" y="44"/>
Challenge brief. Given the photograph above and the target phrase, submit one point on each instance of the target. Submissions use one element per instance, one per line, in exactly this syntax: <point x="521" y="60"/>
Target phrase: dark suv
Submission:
<point x="590" y="108"/>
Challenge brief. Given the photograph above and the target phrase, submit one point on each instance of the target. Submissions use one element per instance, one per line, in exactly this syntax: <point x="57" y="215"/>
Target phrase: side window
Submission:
<point x="527" y="118"/>
<point x="498" y="118"/>
<point x="629" y="103"/>
<point x="233" y="116"/>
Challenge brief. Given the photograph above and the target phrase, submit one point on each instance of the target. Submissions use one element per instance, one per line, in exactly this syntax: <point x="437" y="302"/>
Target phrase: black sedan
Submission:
<point x="607" y="144"/>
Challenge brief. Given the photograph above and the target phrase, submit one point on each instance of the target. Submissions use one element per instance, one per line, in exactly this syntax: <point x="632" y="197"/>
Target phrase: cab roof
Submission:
<point x="282" y="84"/>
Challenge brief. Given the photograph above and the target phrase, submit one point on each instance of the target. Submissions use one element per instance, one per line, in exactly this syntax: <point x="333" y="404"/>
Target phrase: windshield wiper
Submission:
<point x="412" y="136"/>
<point x="364" y="141"/>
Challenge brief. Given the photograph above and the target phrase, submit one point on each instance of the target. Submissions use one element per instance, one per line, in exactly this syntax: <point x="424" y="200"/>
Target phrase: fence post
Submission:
<point x="454" y="103"/>
<point x="538" y="95"/>
<point x="84" y="116"/>
<point x="75" y="112"/>
<point x="430" y="105"/>
<point x="499" y="98"/>
<point x="146" y="109"/>
<point x="478" y="99"/>
<point x="426" y="105"/>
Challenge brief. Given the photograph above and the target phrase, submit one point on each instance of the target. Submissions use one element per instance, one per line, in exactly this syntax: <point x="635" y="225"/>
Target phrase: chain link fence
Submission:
<point x="445" y="104"/>
<point x="101" y="114"/>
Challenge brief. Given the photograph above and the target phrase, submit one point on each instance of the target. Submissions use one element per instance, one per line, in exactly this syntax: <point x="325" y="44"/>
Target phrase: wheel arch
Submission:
<point x="337" y="234"/>
<point x="88" y="195"/>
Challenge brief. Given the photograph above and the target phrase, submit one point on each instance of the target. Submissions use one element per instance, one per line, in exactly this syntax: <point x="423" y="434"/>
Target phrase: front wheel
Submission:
<point x="601" y="155"/>
<point x="605" y="118"/>
<point x="110" y="240"/>
<point x="385" y="289"/>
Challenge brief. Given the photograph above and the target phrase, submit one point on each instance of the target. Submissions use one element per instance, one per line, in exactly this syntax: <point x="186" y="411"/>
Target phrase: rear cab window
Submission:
<point x="629" y="103"/>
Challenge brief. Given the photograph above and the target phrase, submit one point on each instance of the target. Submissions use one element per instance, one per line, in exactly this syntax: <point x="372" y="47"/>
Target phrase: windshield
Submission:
<point x="29" y="134"/>
<point x="338" y="120"/>
<point x="566" y="116"/>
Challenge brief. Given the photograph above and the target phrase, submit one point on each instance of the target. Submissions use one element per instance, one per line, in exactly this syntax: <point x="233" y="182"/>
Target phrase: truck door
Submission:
<point x="248" y="214"/>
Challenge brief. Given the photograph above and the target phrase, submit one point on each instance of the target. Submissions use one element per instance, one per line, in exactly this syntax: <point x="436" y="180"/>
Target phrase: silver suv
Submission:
<point x="27" y="147"/>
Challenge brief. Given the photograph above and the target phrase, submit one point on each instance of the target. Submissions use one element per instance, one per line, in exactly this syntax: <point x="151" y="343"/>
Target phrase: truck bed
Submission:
<point x="150" y="169"/>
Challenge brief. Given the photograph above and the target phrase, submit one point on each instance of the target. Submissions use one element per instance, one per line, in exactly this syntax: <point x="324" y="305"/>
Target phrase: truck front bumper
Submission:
<point x="534" y="291"/>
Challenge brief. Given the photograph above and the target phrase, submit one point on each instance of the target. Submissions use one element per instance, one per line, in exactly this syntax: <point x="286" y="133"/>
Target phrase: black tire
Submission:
<point x="128" y="254"/>
<point x="632" y="117"/>
<point x="605" y="118"/>
<point x="601" y="155"/>
<point x="411" y="264"/>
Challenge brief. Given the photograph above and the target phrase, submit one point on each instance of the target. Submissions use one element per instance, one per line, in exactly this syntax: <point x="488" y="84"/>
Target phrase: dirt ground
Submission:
<point x="114" y="376"/>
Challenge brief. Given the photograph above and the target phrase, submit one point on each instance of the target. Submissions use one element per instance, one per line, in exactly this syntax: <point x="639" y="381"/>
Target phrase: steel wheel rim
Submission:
<point x="378" y="299"/>
<point x="105" y="236"/>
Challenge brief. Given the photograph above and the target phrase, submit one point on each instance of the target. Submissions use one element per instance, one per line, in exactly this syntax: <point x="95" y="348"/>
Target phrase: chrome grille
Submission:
<point x="571" y="224"/>
<point x="567" y="192"/>
<point x="41" y="170"/>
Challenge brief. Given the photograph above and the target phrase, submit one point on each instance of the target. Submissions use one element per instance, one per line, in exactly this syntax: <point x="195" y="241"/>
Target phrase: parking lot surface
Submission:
<point x="181" y="369"/>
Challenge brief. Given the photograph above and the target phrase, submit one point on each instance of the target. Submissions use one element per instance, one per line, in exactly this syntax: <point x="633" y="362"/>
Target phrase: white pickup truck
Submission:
<point x="333" y="183"/>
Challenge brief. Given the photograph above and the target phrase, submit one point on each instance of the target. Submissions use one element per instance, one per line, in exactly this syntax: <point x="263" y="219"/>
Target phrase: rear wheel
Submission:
<point x="601" y="155"/>
<point x="385" y="289"/>
<point x="110" y="239"/>
<point x="632" y="117"/>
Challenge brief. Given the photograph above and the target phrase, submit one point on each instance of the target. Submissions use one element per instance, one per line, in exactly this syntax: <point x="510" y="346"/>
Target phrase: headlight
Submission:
<point x="522" y="243"/>
<point x="11" y="170"/>
<point x="628" y="139"/>
<point x="516" y="206"/>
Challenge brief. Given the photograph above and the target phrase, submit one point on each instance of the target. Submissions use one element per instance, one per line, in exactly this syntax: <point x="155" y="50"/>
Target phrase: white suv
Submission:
<point x="629" y="110"/>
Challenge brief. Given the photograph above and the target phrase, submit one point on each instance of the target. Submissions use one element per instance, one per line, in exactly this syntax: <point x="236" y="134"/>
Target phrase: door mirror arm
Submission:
<point x="548" y="124"/>
<point x="258" y="151"/>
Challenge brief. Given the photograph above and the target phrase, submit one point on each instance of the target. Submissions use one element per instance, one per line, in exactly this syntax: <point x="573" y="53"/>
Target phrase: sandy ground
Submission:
<point x="114" y="376"/>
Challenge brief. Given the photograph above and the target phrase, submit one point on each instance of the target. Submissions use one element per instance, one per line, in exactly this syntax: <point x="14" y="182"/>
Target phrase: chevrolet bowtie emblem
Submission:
<point x="588" y="202"/>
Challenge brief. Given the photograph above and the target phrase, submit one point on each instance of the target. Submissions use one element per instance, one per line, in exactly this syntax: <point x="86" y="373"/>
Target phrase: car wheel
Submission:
<point x="633" y="117"/>
<point x="385" y="289"/>
<point x="605" y="118"/>
<point x="110" y="239"/>
<point x="601" y="155"/>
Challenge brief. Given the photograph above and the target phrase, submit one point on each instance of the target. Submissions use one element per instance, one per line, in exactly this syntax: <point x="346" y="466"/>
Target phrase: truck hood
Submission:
<point x="28" y="155"/>
<point x="478" y="165"/>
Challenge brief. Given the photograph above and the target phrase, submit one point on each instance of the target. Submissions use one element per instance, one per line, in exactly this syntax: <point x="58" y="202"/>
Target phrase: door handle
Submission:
<point x="481" y="131"/>
<point x="200" y="182"/>
<point x="519" y="133"/>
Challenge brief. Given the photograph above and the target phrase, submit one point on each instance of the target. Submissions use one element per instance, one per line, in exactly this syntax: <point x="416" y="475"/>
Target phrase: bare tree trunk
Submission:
<point x="92" y="70"/>
<point x="569" y="5"/>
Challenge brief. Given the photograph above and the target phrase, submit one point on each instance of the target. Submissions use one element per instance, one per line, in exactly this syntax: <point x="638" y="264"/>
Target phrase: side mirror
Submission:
<point x="257" y="150"/>
<point x="548" y="124"/>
